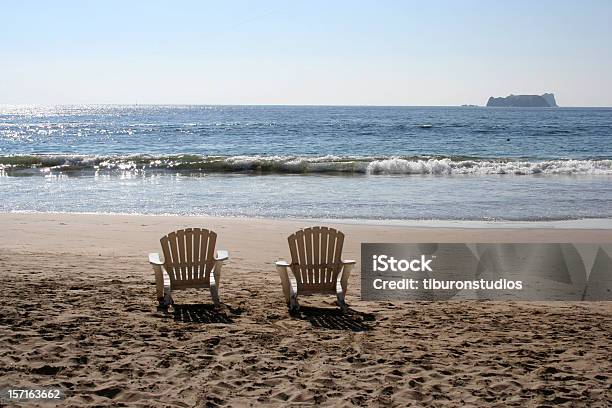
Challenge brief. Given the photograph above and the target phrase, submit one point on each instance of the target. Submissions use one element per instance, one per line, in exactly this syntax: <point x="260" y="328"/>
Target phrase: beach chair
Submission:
<point x="316" y="266"/>
<point x="189" y="262"/>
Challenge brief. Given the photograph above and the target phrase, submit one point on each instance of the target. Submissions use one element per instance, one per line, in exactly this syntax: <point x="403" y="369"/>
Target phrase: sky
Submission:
<point x="304" y="52"/>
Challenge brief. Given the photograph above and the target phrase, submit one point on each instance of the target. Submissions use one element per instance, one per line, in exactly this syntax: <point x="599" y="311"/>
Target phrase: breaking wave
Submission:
<point x="259" y="164"/>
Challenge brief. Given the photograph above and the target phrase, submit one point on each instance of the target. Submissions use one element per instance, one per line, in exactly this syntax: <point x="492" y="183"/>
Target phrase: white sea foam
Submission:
<point x="482" y="167"/>
<point x="331" y="164"/>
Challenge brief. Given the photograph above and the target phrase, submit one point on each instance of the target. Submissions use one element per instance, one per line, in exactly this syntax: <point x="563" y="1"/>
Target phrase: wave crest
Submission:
<point x="447" y="166"/>
<point x="347" y="165"/>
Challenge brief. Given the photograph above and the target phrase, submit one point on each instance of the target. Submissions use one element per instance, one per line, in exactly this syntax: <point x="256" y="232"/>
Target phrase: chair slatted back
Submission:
<point x="316" y="258"/>
<point x="189" y="256"/>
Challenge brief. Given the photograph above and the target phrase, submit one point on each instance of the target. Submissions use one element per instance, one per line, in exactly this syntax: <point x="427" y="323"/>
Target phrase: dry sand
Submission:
<point x="79" y="312"/>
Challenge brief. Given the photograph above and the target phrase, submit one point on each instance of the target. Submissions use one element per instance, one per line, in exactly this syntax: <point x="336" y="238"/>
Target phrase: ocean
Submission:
<point x="392" y="163"/>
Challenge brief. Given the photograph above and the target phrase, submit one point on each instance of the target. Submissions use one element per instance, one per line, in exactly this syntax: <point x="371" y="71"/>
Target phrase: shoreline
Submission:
<point x="577" y="223"/>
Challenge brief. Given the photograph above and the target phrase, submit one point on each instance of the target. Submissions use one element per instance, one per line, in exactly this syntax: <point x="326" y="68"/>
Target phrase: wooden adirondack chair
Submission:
<point x="189" y="262"/>
<point x="316" y="266"/>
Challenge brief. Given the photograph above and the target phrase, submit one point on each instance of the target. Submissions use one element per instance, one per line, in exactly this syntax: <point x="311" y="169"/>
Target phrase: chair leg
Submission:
<point x="214" y="293"/>
<point x="341" y="302"/>
<point x="166" y="300"/>
<point x="294" y="306"/>
<point x="282" y="271"/>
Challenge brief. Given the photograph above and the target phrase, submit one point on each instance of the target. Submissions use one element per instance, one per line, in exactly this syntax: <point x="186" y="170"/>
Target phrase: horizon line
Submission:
<point x="292" y="105"/>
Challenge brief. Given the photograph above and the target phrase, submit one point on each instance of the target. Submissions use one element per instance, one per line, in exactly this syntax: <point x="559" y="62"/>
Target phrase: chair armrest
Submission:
<point x="154" y="259"/>
<point x="222" y="255"/>
<point x="282" y="263"/>
<point x="349" y="262"/>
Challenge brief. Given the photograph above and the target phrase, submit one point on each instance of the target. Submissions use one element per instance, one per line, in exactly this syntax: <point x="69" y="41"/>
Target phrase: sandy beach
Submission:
<point x="79" y="312"/>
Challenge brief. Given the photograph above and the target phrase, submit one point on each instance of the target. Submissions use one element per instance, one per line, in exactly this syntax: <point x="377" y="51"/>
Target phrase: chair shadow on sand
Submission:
<point x="200" y="313"/>
<point x="334" y="319"/>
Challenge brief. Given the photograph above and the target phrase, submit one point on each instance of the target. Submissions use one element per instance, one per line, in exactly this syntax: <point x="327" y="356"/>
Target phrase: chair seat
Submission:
<point x="323" y="288"/>
<point x="190" y="284"/>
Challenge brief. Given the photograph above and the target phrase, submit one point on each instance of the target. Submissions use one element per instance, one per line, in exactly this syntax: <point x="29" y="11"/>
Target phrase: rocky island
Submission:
<point x="546" y="100"/>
